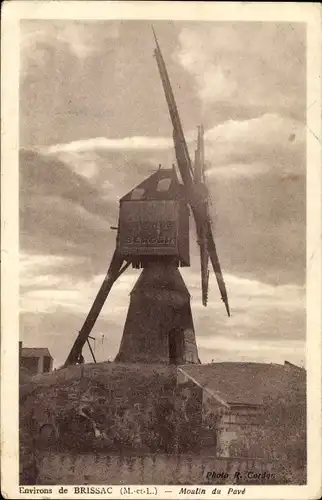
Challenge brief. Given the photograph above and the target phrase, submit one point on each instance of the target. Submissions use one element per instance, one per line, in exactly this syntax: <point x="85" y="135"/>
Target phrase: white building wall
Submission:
<point x="40" y="364"/>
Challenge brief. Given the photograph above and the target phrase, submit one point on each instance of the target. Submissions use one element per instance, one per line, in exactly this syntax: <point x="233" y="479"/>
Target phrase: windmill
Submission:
<point x="153" y="235"/>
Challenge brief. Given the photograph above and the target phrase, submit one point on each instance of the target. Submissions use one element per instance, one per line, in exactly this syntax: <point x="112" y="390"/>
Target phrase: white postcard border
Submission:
<point x="12" y="12"/>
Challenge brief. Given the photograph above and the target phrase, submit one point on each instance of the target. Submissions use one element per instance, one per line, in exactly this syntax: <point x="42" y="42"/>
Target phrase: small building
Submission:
<point x="236" y="399"/>
<point x="35" y="359"/>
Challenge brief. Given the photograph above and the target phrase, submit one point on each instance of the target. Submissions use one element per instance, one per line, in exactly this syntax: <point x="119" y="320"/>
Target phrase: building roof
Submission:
<point x="161" y="185"/>
<point x="250" y="383"/>
<point x="35" y="352"/>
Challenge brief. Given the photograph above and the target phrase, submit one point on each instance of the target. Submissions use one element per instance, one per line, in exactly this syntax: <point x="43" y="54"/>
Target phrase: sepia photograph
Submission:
<point x="162" y="267"/>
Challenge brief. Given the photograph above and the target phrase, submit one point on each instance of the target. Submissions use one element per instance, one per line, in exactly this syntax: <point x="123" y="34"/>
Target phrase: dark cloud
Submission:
<point x="66" y="214"/>
<point x="62" y="213"/>
<point x="260" y="226"/>
<point x="45" y="175"/>
<point x="259" y="221"/>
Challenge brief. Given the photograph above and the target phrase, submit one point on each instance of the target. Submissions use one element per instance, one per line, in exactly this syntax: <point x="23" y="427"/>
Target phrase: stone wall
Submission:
<point x="236" y="432"/>
<point x="91" y="468"/>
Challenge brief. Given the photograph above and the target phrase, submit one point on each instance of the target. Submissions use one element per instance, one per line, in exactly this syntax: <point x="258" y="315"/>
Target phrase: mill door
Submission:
<point x="176" y="346"/>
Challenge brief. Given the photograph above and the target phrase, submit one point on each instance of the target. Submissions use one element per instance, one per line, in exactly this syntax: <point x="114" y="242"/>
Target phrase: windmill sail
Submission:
<point x="181" y="149"/>
<point x="196" y="201"/>
<point x="199" y="178"/>
<point x="199" y="167"/>
<point x="216" y="267"/>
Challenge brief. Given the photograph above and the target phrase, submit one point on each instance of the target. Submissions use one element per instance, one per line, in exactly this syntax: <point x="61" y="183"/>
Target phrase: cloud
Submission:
<point x="245" y="68"/>
<point x="252" y="303"/>
<point x="259" y="224"/>
<point x="58" y="330"/>
<point x="62" y="213"/>
<point x="40" y="39"/>
<point x="67" y="207"/>
<point x="212" y="82"/>
<point x="236" y="170"/>
<point x="55" y="299"/>
<point x="47" y="287"/>
<point x="266" y="321"/>
<point x="121" y="144"/>
<point x="69" y="200"/>
<point x="82" y="80"/>
<point x="66" y="248"/>
<point x="256" y="146"/>
<point x="249" y="351"/>
<point x="94" y="118"/>
<point x="248" y="147"/>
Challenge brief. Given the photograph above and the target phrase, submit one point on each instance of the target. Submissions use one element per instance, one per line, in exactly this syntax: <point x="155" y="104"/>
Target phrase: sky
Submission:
<point x="94" y="123"/>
